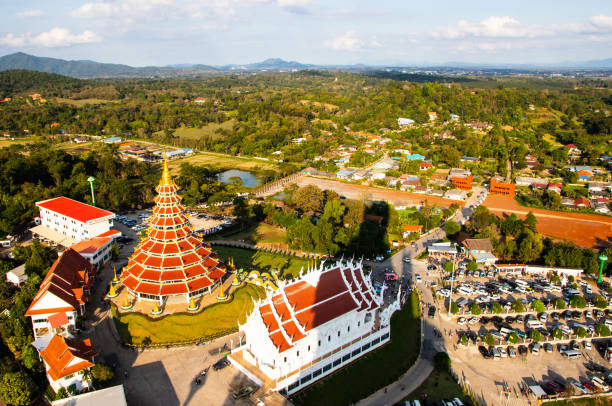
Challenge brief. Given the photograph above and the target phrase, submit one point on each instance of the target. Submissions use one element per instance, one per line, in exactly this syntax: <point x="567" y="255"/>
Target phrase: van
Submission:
<point x="600" y="383"/>
<point x="535" y="349"/>
<point x="465" y="290"/>
<point x="571" y="354"/>
<point x="535" y="324"/>
<point x="522" y="283"/>
<point x="416" y="403"/>
<point x="505" y="332"/>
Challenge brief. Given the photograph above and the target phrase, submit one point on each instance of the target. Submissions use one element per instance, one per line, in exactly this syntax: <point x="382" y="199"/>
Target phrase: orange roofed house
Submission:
<point x="500" y="188"/>
<point x="62" y="295"/>
<point x="65" y="359"/>
<point x="312" y="326"/>
<point x="171" y="262"/>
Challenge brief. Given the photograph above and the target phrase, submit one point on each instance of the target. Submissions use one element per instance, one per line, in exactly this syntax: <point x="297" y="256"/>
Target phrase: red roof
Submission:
<point x="66" y="279"/>
<point x="73" y="209"/>
<point x="91" y="246"/>
<point x="58" y="320"/>
<point x="303" y="306"/>
<point x="65" y="357"/>
<point x="571" y="146"/>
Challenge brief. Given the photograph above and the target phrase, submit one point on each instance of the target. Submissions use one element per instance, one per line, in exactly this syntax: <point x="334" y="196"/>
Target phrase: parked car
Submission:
<point x="511" y="351"/>
<point x="548" y="347"/>
<point x="484" y="352"/>
<point x="522" y="350"/>
<point x="461" y="321"/>
<point x="222" y="363"/>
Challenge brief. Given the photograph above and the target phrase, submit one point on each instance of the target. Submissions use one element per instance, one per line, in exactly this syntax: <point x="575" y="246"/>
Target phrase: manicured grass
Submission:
<point x="222" y="161"/>
<point x="213" y="321"/>
<point x="440" y="385"/>
<point x="261" y="233"/>
<point x="261" y="261"/>
<point x="372" y="371"/>
<point x="209" y="129"/>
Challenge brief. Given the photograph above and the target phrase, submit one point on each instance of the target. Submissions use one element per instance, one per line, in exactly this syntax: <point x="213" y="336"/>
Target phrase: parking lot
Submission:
<point x="494" y="349"/>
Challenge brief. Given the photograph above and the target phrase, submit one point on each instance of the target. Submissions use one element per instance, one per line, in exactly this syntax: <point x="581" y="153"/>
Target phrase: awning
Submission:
<point x="537" y="391"/>
<point x="58" y="320"/>
<point x="52" y="235"/>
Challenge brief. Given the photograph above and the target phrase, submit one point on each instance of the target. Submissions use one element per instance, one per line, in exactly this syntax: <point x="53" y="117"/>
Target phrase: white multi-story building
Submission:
<point x="312" y="326"/>
<point x="72" y="219"/>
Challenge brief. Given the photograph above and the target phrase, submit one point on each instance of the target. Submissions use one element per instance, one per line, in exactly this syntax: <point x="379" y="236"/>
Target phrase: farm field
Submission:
<point x="586" y="230"/>
<point x="359" y="192"/>
<point x="8" y="142"/>
<point x="82" y="102"/>
<point x="222" y="161"/>
<point x="196" y="133"/>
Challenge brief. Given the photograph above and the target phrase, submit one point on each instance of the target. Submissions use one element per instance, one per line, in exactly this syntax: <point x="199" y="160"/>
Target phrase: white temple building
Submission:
<point x="311" y="326"/>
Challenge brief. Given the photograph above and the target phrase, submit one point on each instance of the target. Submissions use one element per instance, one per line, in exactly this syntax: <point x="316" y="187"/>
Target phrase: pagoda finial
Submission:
<point x="166" y="180"/>
<point x="111" y="291"/>
<point x="115" y="279"/>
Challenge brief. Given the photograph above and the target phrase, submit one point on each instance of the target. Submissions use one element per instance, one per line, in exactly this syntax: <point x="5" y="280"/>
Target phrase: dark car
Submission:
<point x="522" y="350"/>
<point x="485" y="353"/>
<point x="510" y="319"/>
<point x="432" y="311"/>
<point x="576" y="314"/>
<point x="554" y="386"/>
<point x="222" y="363"/>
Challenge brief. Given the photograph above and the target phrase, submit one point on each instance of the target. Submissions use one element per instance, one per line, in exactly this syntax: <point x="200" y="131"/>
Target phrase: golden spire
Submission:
<point x="156" y="307"/>
<point x="221" y="294"/>
<point x="192" y="303"/>
<point x="126" y="302"/>
<point x="111" y="290"/>
<point x="115" y="279"/>
<point x="166" y="180"/>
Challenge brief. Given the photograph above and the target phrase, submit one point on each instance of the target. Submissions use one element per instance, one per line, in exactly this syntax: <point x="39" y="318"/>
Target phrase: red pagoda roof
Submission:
<point x="171" y="252"/>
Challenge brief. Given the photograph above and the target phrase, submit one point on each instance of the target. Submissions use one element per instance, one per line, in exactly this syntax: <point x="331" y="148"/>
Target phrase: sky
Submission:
<point x="375" y="32"/>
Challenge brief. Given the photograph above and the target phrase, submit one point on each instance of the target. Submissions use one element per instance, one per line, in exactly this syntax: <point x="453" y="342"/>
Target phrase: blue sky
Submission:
<point x="161" y="32"/>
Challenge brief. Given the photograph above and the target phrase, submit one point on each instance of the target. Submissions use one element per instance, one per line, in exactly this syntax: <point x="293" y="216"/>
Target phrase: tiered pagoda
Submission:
<point x="171" y="262"/>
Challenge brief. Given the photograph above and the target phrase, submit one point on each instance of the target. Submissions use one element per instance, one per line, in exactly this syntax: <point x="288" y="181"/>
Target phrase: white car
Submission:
<point x="502" y="352"/>
<point x="443" y="292"/>
<point x="473" y="321"/>
<point x="461" y="321"/>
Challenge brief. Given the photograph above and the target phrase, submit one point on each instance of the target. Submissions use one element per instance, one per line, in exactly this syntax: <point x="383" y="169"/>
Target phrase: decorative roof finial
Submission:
<point x="166" y="180"/>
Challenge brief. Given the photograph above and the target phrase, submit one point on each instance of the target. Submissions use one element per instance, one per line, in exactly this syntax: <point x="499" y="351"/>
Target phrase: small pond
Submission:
<point x="248" y="178"/>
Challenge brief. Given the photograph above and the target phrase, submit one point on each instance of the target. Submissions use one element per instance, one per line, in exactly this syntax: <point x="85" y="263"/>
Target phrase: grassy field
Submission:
<point x="372" y="371"/>
<point x="213" y="321"/>
<point x="83" y="102"/>
<point x="222" y="161"/>
<point x="438" y="386"/>
<point x="549" y="138"/>
<point x="262" y="233"/>
<point x="196" y="133"/>
<point x="5" y="142"/>
<point x="259" y="260"/>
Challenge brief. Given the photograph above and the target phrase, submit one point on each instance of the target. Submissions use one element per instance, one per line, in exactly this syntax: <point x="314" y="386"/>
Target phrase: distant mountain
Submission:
<point x="91" y="69"/>
<point x="268" y="64"/>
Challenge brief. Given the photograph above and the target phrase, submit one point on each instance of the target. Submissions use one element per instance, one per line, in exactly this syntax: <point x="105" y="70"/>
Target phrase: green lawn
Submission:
<point x="261" y="261"/>
<point x="372" y="371"/>
<point x="439" y="385"/>
<point x="189" y="133"/>
<point x="222" y="161"/>
<point x="261" y="233"/>
<point x="213" y="321"/>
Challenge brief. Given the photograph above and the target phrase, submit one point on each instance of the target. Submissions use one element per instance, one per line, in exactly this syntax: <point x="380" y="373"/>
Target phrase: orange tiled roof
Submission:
<point x="61" y="352"/>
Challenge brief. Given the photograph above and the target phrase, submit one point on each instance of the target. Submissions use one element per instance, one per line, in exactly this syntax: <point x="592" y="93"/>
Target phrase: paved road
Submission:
<point x="405" y="266"/>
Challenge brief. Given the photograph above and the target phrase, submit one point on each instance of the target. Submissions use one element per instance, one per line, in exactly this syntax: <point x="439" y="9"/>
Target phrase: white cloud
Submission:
<point x="294" y="6"/>
<point x="492" y="27"/>
<point x="127" y="9"/>
<point x="601" y="22"/>
<point x="12" y="41"/>
<point x="351" y="42"/>
<point x="30" y="13"/>
<point x="56" y="37"/>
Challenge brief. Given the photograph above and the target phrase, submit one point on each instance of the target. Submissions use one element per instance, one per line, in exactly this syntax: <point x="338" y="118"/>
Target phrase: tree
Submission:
<point x="448" y="266"/>
<point x="531" y="221"/>
<point x="602" y="330"/>
<point x="578" y="301"/>
<point x="600" y="302"/>
<point x="452" y="227"/>
<point x="559" y="303"/>
<point x="16" y="388"/>
<point x="535" y="335"/>
<point x="557" y="334"/>
<point x="472" y="266"/>
<point x="496" y="308"/>
<point x="30" y="358"/>
<point x="580" y="332"/>
<point x="442" y="361"/>
<point x="102" y="373"/>
<point x="489" y="339"/>
<point x="538" y="306"/>
<point x="518" y="306"/>
<point x="114" y="251"/>
<point x="475" y="309"/>
<point x="463" y="340"/>
<point x="513" y="338"/>
<point x="454" y="308"/>
<point x="530" y="247"/>
<point x="308" y="198"/>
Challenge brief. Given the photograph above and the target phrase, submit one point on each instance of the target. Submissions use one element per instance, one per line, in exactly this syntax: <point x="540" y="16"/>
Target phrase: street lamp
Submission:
<point x="603" y="258"/>
<point x="91" y="181"/>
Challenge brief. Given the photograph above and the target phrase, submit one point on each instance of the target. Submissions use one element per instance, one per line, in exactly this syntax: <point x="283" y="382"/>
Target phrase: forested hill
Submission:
<point x="19" y="81"/>
<point x="90" y="69"/>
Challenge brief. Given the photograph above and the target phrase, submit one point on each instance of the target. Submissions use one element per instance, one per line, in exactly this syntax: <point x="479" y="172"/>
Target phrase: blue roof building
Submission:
<point x="415" y="157"/>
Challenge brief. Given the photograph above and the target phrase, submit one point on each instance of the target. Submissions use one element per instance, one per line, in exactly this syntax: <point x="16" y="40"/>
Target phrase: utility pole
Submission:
<point x="450" y="297"/>
<point x="603" y="258"/>
<point x="91" y="181"/>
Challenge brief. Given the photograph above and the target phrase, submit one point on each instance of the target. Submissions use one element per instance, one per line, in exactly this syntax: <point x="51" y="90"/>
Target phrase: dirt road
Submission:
<point x="586" y="230"/>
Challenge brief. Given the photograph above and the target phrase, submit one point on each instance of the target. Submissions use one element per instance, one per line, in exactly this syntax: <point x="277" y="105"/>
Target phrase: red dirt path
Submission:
<point x="586" y="230"/>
